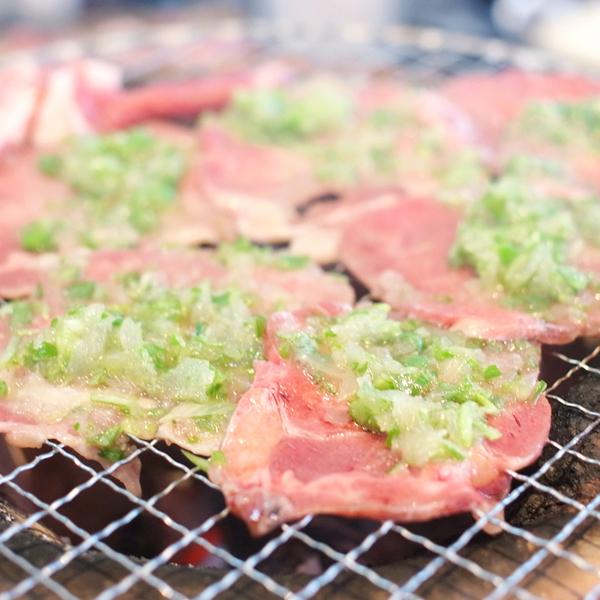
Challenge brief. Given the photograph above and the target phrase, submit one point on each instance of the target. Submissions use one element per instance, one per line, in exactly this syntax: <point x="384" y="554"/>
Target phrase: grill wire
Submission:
<point x="560" y="560"/>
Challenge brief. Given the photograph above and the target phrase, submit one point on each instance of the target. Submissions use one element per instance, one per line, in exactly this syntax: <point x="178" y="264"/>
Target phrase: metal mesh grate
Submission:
<point x="549" y="545"/>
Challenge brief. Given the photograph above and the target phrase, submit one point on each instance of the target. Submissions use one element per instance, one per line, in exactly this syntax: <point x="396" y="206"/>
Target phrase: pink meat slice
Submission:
<point x="24" y="430"/>
<point x="401" y="253"/>
<point x="39" y="411"/>
<point x="175" y="268"/>
<point x="259" y="186"/>
<point x="306" y="286"/>
<point x="18" y="98"/>
<point x="26" y="194"/>
<point x="182" y="98"/>
<point x="288" y="453"/>
<point x="318" y="233"/>
<point x="67" y="96"/>
<point x="494" y="101"/>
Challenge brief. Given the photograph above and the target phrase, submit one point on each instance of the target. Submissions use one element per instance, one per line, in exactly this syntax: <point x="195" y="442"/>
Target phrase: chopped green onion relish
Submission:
<point x="563" y="122"/>
<point x="216" y="458"/>
<point x="122" y="182"/>
<point x="179" y="356"/>
<point x="429" y="390"/>
<point x="318" y="119"/>
<point x="283" y="116"/>
<point x="242" y="251"/>
<point x="39" y="236"/>
<point x="519" y="243"/>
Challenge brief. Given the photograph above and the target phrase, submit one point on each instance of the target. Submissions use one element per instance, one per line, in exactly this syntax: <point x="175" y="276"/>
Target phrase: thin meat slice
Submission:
<point x="501" y="106"/>
<point x="37" y="409"/>
<point x="494" y="101"/>
<point x="28" y="195"/>
<point x="44" y="106"/>
<point x="37" y="413"/>
<point x="18" y="99"/>
<point x="393" y="135"/>
<point x="319" y="232"/>
<point x="401" y="253"/>
<point x="272" y="286"/>
<point x="25" y="192"/>
<point x="258" y="186"/>
<point x="22" y="273"/>
<point x="288" y="454"/>
<point x="25" y="195"/>
<point x="68" y="94"/>
<point x="183" y="98"/>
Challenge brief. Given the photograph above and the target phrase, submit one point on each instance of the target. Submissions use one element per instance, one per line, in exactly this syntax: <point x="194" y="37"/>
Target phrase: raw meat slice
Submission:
<point x="401" y="253"/>
<point x="414" y="139"/>
<point x="41" y="422"/>
<point x="67" y="94"/>
<point x="25" y="195"/>
<point x="319" y="232"/>
<point x="25" y="192"/>
<point x="34" y="427"/>
<point x="494" y="101"/>
<point x="271" y="285"/>
<point x="66" y="411"/>
<point x="28" y="195"/>
<point x="306" y="285"/>
<point x="258" y="186"/>
<point x="290" y="451"/>
<point x="18" y="99"/>
<point x="183" y="98"/>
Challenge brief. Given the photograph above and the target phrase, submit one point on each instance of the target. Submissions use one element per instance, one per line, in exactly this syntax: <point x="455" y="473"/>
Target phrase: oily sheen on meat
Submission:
<point x="401" y="252"/>
<point x="140" y="312"/>
<point x="289" y="451"/>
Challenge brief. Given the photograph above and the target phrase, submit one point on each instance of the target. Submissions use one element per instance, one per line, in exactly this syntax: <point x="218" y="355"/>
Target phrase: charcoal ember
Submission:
<point x="569" y="475"/>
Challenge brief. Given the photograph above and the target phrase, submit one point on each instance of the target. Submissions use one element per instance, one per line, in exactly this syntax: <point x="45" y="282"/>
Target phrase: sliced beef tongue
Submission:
<point x="36" y="414"/>
<point x="258" y="186"/>
<point x="177" y="268"/>
<point x="181" y="99"/>
<point x="18" y="99"/>
<point x="401" y="253"/>
<point x="289" y="451"/>
<point x="494" y="101"/>
<point x="36" y="410"/>
<point x="44" y="106"/>
<point x="318" y="233"/>
<point x="305" y="286"/>
<point x="27" y="195"/>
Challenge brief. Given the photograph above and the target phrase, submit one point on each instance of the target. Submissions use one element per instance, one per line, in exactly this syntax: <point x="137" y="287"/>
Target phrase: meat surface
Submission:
<point x="397" y="136"/>
<point x="36" y="410"/>
<point x="401" y="253"/>
<point x="493" y="101"/>
<point x="180" y="99"/>
<point x="27" y="194"/>
<point x="44" y="106"/>
<point x="289" y="451"/>
<point x="318" y="233"/>
<point x="18" y="99"/>
<point x="258" y="186"/>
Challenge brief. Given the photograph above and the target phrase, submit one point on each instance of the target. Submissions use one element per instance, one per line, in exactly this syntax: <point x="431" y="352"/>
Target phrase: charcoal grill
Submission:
<point x="547" y="547"/>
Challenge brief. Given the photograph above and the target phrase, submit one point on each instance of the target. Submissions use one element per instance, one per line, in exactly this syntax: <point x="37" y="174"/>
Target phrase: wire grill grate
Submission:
<point x="558" y="557"/>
